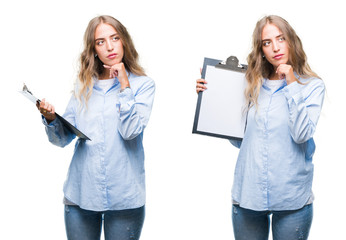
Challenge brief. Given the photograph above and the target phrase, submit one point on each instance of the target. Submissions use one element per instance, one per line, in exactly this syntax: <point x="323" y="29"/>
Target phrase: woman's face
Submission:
<point x="274" y="45"/>
<point x="108" y="45"/>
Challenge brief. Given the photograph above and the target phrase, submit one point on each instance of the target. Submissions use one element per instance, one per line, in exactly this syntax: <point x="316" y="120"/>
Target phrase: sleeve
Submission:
<point x="135" y="109"/>
<point x="304" y="108"/>
<point x="56" y="132"/>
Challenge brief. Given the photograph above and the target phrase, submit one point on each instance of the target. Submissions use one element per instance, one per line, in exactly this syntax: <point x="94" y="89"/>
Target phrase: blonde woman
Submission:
<point x="111" y="104"/>
<point x="274" y="171"/>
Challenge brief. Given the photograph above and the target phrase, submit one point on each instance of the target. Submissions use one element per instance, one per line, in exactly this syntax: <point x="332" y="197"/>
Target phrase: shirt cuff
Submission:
<point x="51" y="124"/>
<point x="125" y="98"/>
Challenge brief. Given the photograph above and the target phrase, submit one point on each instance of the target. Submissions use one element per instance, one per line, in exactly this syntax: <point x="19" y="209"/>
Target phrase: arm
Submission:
<point x="304" y="110"/>
<point x="56" y="132"/>
<point x="135" y="109"/>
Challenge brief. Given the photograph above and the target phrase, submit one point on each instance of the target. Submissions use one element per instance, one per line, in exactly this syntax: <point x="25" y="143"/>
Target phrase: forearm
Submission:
<point x="304" y="112"/>
<point x="134" y="111"/>
<point x="57" y="133"/>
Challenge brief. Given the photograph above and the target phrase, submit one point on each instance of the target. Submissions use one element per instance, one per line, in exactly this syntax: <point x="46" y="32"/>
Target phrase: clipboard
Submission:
<point x="65" y="123"/>
<point x="220" y="110"/>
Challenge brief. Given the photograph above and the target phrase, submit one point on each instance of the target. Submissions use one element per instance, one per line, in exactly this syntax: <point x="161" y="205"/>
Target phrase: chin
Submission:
<point x="114" y="61"/>
<point x="111" y="62"/>
<point x="280" y="62"/>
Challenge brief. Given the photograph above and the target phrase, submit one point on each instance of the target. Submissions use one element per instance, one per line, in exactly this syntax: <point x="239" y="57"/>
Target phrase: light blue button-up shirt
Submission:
<point x="274" y="170"/>
<point x="107" y="173"/>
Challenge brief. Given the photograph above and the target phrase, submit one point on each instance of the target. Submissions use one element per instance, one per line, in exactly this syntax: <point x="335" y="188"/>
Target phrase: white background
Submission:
<point x="189" y="177"/>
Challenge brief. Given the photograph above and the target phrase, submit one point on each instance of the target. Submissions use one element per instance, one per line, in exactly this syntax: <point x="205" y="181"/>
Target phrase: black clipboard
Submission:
<point x="65" y="123"/>
<point x="220" y="110"/>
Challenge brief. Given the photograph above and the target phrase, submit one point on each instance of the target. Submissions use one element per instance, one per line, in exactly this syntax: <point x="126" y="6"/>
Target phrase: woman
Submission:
<point x="111" y="105"/>
<point x="274" y="171"/>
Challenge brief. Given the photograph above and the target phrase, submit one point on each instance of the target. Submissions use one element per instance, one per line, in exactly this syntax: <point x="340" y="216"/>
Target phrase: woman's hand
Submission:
<point x="118" y="70"/>
<point x="286" y="71"/>
<point x="47" y="110"/>
<point x="200" y="85"/>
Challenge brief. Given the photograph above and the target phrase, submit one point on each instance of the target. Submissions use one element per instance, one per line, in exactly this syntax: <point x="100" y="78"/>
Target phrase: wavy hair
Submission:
<point x="91" y="66"/>
<point x="259" y="68"/>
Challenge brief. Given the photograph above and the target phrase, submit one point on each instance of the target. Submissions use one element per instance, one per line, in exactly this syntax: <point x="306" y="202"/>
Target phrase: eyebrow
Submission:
<point x="113" y="35"/>
<point x="281" y="35"/>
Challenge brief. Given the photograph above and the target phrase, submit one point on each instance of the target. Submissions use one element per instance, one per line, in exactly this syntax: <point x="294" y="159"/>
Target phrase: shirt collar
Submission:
<point x="116" y="82"/>
<point x="284" y="84"/>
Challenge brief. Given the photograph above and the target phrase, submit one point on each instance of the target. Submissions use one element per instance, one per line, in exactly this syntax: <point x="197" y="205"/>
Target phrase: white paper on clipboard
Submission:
<point x="221" y="107"/>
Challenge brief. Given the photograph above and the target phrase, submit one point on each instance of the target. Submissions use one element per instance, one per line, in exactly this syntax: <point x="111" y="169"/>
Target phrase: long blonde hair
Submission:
<point x="91" y="66"/>
<point x="259" y="68"/>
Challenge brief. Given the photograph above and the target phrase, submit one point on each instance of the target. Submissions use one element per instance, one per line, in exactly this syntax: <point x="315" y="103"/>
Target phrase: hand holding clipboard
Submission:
<point x="48" y="111"/>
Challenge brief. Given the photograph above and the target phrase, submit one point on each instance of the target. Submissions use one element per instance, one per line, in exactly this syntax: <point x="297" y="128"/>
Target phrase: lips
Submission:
<point x="279" y="56"/>
<point x="112" y="56"/>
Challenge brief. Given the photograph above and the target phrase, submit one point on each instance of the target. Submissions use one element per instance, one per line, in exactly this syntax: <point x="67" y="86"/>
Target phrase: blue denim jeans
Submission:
<point x="82" y="224"/>
<point x="286" y="225"/>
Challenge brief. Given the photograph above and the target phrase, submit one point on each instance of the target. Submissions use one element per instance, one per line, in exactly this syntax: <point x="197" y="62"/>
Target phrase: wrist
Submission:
<point x="123" y="89"/>
<point x="49" y="119"/>
<point x="291" y="80"/>
<point x="124" y="82"/>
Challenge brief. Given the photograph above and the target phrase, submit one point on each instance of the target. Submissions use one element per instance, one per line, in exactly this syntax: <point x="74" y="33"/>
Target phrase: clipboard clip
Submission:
<point x="25" y="89"/>
<point x="232" y="63"/>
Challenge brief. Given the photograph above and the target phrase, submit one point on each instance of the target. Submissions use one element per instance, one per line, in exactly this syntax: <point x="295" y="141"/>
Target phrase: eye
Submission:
<point x="99" y="42"/>
<point x="281" y="39"/>
<point x="115" y="38"/>
<point x="266" y="43"/>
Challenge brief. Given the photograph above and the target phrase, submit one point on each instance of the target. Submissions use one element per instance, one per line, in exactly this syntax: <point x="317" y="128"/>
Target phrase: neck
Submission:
<point x="105" y="74"/>
<point x="274" y="75"/>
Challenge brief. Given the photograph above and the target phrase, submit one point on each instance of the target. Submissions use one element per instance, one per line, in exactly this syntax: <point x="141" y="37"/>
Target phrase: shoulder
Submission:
<point x="141" y="81"/>
<point x="313" y="81"/>
<point x="134" y="77"/>
<point x="312" y="88"/>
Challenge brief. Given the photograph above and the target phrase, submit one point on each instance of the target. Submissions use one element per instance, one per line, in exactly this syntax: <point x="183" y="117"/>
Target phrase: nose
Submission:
<point x="109" y="45"/>
<point x="275" y="46"/>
